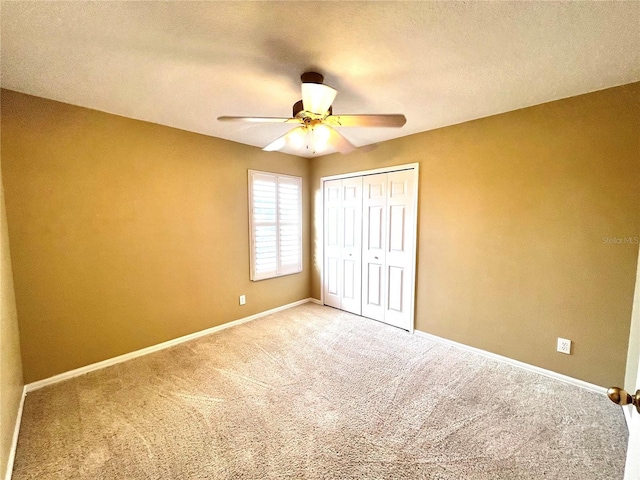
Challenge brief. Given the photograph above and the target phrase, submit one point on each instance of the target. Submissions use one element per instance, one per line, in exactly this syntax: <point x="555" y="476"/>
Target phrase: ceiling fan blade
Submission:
<point x="366" y="120"/>
<point x="317" y="97"/>
<point x="340" y="143"/>
<point x="294" y="137"/>
<point x="260" y="119"/>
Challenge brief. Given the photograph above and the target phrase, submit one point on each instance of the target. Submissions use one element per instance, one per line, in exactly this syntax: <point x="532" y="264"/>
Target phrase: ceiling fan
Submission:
<point x="316" y="121"/>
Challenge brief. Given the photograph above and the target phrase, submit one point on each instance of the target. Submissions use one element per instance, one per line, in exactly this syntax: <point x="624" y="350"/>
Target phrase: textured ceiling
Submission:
<point x="183" y="64"/>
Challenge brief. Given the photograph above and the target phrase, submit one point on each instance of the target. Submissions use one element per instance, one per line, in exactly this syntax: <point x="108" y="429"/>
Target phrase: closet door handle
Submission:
<point x="375" y="258"/>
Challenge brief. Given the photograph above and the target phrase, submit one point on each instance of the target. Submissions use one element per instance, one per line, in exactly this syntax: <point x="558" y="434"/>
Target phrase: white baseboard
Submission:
<point x="532" y="368"/>
<point x="316" y="301"/>
<point x="14" y="439"/>
<point x="155" y="348"/>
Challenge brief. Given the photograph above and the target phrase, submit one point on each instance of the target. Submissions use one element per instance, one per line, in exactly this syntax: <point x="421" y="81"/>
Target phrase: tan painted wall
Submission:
<point x="512" y="213"/>
<point x="126" y="234"/>
<point x="10" y="362"/>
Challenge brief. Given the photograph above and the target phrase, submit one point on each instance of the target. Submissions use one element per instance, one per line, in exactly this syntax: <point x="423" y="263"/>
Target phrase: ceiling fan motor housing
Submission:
<point x="298" y="108"/>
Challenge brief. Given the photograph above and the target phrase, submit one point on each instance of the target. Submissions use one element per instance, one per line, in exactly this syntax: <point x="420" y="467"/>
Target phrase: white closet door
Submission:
<point x="369" y="251"/>
<point x="374" y="202"/>
<point x="399" y="249"/>
<point x="332" y="284"/>
<point x="343" y="244"/>
<point x="351" y="300"/>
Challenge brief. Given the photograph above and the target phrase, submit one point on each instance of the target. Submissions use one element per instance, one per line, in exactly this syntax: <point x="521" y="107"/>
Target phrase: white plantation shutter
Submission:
<point x="275" y="223"/>
<point x="264" y="245"/>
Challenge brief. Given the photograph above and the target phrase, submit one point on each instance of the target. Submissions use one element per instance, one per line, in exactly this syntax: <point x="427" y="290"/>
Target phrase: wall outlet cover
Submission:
<point x="564" y="345"/>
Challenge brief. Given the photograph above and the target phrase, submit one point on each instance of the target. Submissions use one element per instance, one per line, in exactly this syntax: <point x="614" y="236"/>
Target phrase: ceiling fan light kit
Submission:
<point x="314" y="114"/>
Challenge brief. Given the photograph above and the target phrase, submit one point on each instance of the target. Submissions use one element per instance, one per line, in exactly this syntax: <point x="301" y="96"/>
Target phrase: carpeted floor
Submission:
<point x="313" y="392"/>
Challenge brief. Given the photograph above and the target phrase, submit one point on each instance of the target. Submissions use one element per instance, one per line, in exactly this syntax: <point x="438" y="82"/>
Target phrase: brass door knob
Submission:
<point x="622" y="397"/>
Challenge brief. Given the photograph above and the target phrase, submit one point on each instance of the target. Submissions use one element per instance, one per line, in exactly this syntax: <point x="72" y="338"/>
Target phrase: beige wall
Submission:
<point x="126" y="234"/>
<point x="512" y="213"/>
<point x="10" y="362"/>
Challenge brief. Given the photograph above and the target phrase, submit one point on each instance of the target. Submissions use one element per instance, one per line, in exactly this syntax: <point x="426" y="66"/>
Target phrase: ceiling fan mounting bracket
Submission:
<point x="312" y="77"/>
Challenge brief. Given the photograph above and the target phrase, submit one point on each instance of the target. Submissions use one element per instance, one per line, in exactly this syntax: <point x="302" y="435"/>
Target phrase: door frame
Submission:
<point x="632" y="466"/>
<point x="320" y="213"/>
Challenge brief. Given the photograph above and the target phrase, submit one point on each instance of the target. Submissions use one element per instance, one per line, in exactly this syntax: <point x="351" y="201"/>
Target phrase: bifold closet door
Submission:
<point x="369" y="234"/>
<point x="374" y="221"/>
<point x="399" y="254"/>
<point x="387" y="252"/>
<point x="343" y="244"/>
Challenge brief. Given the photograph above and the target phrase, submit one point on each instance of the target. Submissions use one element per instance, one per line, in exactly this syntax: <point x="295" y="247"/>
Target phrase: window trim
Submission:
<point x="280" y="270"/>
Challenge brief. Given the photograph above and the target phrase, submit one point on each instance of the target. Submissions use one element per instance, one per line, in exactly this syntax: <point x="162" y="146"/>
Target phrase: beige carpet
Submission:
<point x="313" y="392"/>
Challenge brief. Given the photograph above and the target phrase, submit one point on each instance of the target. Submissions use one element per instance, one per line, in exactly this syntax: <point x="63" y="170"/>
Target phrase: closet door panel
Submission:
<point x="332" y="243"/>
<point x="373" y="294"/>
<point x="374" y="199"/>
<point x="396" y="285"/>
<point x="351" y="192"/>
<point x="399" y="252"/>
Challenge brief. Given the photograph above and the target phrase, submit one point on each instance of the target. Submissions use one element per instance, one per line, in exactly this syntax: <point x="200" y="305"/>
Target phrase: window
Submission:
<point x="275" y="224"/>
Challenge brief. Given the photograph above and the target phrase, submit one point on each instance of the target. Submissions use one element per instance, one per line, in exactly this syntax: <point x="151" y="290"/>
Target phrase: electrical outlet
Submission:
<point x="243" y="300"/>
<point x="564" y="346"/>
